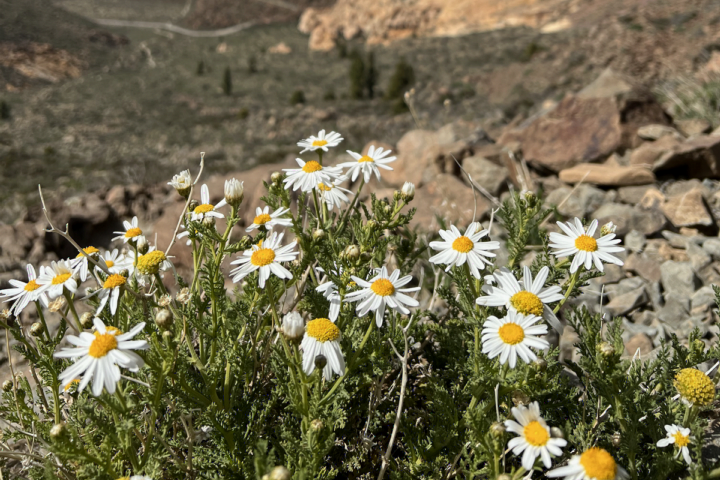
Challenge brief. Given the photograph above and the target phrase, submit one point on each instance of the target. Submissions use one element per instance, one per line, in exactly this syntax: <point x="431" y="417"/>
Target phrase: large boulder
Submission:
<point x="413" y="158"/>
<point x="608" y="175"/>
<point x="449" y="198"/>
<point x="688" y="210"/>
<point x="698" y="157"/>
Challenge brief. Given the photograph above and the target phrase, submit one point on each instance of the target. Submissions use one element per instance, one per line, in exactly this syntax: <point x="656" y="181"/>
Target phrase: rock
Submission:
<point x="639" y="342"/>
<point x="635" y="241"/>
<point x="679" y="277"/>
<point x="412" y="161"/>
<point x="652" y="199"/>
<point x="644" y="317"/>
<point x="577" y="202"/>
<point x="698" y="157"/>
<point x="281" y="48"/>
<point x="674" y="312"/>
<point x="680" y="187"/>
<point x="607" y="175"/>
<point x="489" y="175"/>
<point x="577" y="131"/>
<point x="705" y="297"/>
<point x="623" y="286"/>
<point x="625" y="217"/>
<point x="712" y="246"/>
<point x="687" y="210"/>
<point x="647" y="154"/>
<point x="681" y="241"/>
<point x="622" y="304"/>
<point x="645" y="266"/>
<point x="608" y="85"/>
<point x="633" y="194"/>
<point x="692" y="127"/>
<point x="698" y="257"/>
<point x="449" y="198"/>
<point x="655" y="131"/>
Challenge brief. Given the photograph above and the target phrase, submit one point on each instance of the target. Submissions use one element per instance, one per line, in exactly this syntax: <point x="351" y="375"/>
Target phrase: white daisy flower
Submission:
<point x="330" y="292"/>
<point x="81" y="263"/>
<point x="534" y="437"/>
<point x="456" y="249"/>
<point x="132" y="231"/>
<point x="309" y="175"/>
<point x="265" y="257"/>
<point x="57" y="277"/>
<point x="23" y="293"/>
<point x="182" y="183"/>
<point x="584" y="246"/>
<point x="115" y="261"/>
<point x="530" y="298"/>
<point x="681" y="438"/>
<point x="265" y="219"/>
<point x="593" y="464"/>
<point x="206" y="209"/>
<point x="368" y="164"/>
<point x="321" y="142"/>
<point x="152" y="262"/>
<point x="111" y="290"/>
<point x="98" y="356"/>
<point x="381" y="291"/>
<point x="322" y="337"/>
<point x="512" y="336"/>
<point x="333" y="194"/>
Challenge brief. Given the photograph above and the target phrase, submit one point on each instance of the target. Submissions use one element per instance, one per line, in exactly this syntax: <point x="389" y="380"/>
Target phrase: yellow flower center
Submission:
<point x="324" y="187"/>
<point x="262" y="257"/>
<point x="462" y="244"/>
<point x="69" y="385"/>
<point x="383" y="287"/>
<point x="695" y="386"/>
<point x="681" y="440"/>
<point x="204" y="208"/>
<point x="109" y="263"/>
<point x="109" y="329"/>
<point x="323" y="330"/>
<point x="88" y="250"/>
<point x="311" y="166"/>
<point x="598" y="464"/>
<point x="149" y="263"/>
<point x="262" y="219"/>
<point x="511" y="333"/>
<point x="133" y="232"/>
<point x="586" y="243"/>
<point x="103" y="343"/>
<point x="319" y="143"/>
<point x="535" y="434"/>
<point x="527" y="303"/>
<point x="114" y="281"/>
<point x="60" y="279"/>
<point x="31" y="286"/>
<point x="366" y="158"/>
<point x="124" y="478"/>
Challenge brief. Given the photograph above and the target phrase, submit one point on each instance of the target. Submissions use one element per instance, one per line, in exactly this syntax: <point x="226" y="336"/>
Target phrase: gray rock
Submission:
<point x="703" y="298"/>
<point x="655" y="131"/>
<point x="673" y="313"/>
<point x="644" y="317"/>
<point x="632" y="195"/>
<point x="583" y="200"/>
<point x="618" y="213"/>
<point x="679" y="277"/>
<point x="644" y="265"/>
<point x="712" y="246"/>
<point x="625" y="303"/>
<point x="681" y="241"/>
<point x="655" y="292"/>
<point x="624" y="286"/>
<point x="698" y="257"/>
<point x="635" y="241"/>
<point x="491" y="176"/>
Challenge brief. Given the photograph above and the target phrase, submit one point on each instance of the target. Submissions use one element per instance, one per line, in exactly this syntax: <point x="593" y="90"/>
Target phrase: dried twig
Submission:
<point x="189" y="199"/>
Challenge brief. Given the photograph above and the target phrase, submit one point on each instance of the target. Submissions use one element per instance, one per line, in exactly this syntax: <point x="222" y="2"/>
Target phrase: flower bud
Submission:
<point x="616" y="439"/>
<point x="370" y="225"/>
<point x="58" y="431"/>
<point x="606" y="349"/>
<point x="36" y="329"/>
<point x="193" y="205"/>
<point x="316" y="425"/>
<point x="183" y="295"/>
<point x="57" y="305"/>
<point x="168" y="336"/>
<point x="297" y="263"/>
<point x="280" y="473"/>
<point x="164" y="300"/>
<point x="142" y="245"/>
<point x="352" y="252"/>
<point x="607" y="229"/>
<point x="519" y="398"/>
<point x="320" y="362"/>
<point x="556" y="432"/>
<point x="408" y="192"/>
<point x="164" y="319"/>
<point x="209" y="222"/>
<point x="540" y="364"/>
<point x="182" y="183"/>
<point x="387" y="208"/>
<point x="86" y="320"/>
<point x="497" y="429"/>
<point x="318" y="234"/>
<point x="276" y="177"/>
<point x="234" y="192"/>
<point x="7" y="386"/>
<point x="397" y="195"/>
<point x="293" y="326"/>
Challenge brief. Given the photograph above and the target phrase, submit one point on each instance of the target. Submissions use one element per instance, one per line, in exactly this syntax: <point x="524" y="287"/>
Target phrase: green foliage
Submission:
<point x="4" y="110"/>
<point x="200" y="70"/>
<point x="298" y="96"/>
<point x="227" y="82"/>
<point x="402" y="78"/>
<point x="357" y="75"/>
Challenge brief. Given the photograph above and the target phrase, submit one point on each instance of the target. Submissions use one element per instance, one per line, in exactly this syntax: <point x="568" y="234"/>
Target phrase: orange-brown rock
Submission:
<point x="610" y="175"/>
<point x="687" y="209"/>
<point x="449" y="198"/>
<point x="412" y="160"/>
<point x="698" y="157"/>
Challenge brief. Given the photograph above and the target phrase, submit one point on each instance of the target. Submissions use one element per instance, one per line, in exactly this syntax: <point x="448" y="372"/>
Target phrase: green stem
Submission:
<point x="71" y="304"/>
<point x="351" y="363"/>
<point x="471" y="280"/>
<point x="346" y="213"/>
<point x="573" y="279"/>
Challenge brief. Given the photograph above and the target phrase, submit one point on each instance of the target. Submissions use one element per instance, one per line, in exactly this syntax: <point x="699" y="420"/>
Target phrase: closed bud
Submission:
<point x="320" y="362"/>
<point x="397" y="195"/>
<point x="540" y="364"/>
<point x="370" y="225"/>
<point x="234" y="192"/>
<point x="5" y="315"/>
<point x="607" y="229"/>
<point x="606" y="349"/>
<point x="183" y="295"/>
<point x="352" y="252"/>
<point x="280" y="473"/>
<point x="616" y="439"/>
<point x="36" y="329"/>
<point x="276" y="177"/>
<point x="387" y="208"/>
<point x="408" y="192"/>
<point x="164" y="319"/>
<point x="142" y="245"/>
<point x="86" y="320"/>
<point x="58" y="431"/>
<point x="57" y="305"/>
<point x="293" y="326"/>
<point x="168" y="336"/>
<point x="556" y="432"/>
<point x="519" y="398"/>
<point x="318" y="234"/>
<point x="209" y="222"/>
<point x="182" y="183"/>
<point x="316" y="425"/>
<point x="165" y="300"/>
<point x="7" y="386"/>
<point x="193" y="205"/>
<point x="497" y="429"/>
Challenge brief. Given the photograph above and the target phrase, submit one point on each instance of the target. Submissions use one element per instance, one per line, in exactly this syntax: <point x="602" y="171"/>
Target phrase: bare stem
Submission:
<point x="187" y="203"/>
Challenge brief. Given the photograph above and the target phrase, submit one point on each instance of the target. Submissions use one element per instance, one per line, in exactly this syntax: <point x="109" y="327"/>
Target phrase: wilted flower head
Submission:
<point x="182" y="183"/>
<point x="234" y="192"/>
<point x="408" y="191"/>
